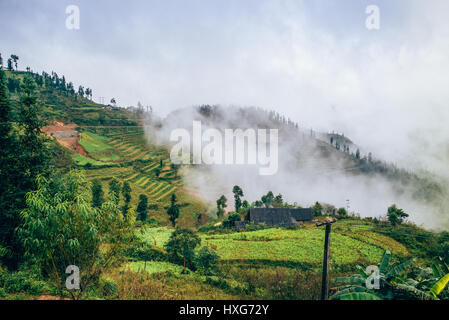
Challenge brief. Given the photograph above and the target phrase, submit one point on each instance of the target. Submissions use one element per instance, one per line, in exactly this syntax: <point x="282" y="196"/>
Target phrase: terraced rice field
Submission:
<point x="117" y="145"/>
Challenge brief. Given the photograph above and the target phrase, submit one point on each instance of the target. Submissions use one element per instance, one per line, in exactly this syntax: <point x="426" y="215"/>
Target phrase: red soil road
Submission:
<point x="67" y="136"/>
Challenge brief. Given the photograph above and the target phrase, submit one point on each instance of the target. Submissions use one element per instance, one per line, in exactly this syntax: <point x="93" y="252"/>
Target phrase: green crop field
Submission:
<point x="303" y="245"/>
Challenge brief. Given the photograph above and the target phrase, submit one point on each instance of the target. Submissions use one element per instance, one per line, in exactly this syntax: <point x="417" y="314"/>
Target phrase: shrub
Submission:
<point x="153" y="222"/>
<point x="206" y="260"/>
<point x="146" y="252"/>
<point x="181" y="247"/>
<point x="342" y="212"/>
<point x="22" y="282"/>
<point x="108" y="288"/>
<point x="229" y="222"/>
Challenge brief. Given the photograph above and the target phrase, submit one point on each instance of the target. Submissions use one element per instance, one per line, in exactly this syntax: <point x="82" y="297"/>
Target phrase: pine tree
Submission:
<point x="36" y="156"/>
<point x="24" y="156"/>
<point x="173" y="210"/>
<point x="126" y="192"/>
<point x="142" y="208"/>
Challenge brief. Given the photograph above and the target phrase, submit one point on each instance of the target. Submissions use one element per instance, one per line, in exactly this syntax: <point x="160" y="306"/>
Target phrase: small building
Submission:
<point x="279" y="216"/>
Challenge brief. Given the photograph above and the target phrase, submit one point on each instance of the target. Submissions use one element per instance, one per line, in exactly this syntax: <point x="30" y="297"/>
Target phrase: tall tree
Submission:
<point x="10" y="66"/>
<point x="221" y="204"/>
<point x="15" y="58"/>
<point x="142" y="208"/>
<point x="23" y="156"/>
<point x="157" y="172"/>
<point x="8" y="215"/>
<point x="1" y="61"/>
<point x="395" y="215"/>
<point x="97" y="194"/>
<point x="173" y="210"/>
<point x="81" y="91"/>
<point x="238" y="193"/>
<point x="317" y="209"/>
<point x="268" y="199"/>
<point x="36" y="155"/>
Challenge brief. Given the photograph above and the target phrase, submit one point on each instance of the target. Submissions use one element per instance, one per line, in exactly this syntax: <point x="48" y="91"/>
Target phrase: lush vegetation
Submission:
<point x="122" y="214"/>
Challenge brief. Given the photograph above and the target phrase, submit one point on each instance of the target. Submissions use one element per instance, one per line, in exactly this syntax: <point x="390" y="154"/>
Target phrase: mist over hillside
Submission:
<point x="310" y="168"/>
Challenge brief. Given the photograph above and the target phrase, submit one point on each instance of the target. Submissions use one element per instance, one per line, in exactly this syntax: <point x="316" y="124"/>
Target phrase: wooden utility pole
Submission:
<point x="325" y="279"/>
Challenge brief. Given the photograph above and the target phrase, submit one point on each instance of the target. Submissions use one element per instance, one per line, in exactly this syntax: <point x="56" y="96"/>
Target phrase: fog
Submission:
<point x="305" y="175"/>
<point x="312" y="61"/>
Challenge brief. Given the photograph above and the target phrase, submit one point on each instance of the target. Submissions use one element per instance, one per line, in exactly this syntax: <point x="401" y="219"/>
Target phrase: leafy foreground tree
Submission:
<point x="391" y="284"/>
<point x="181" y="247"/>
<point x="61" y="228"/>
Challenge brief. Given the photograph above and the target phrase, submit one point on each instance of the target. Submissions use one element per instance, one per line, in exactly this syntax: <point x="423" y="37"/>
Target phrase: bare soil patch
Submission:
<point x="67" y="136"/>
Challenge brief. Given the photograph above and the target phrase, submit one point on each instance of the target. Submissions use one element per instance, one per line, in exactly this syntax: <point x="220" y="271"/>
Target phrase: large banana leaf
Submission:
<point x="440" y="285"/>
<point x="383" y="265"/>
<point x="350" y="289"/>
<point x="398" y="268"/>
<point x="359" y="296"/>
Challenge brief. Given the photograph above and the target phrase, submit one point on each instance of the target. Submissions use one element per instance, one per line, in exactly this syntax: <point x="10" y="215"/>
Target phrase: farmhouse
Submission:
<point x="279" y="216"/>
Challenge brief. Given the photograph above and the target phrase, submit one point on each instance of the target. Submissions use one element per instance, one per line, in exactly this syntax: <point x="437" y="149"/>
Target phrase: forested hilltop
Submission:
<point x="82" y="186"/>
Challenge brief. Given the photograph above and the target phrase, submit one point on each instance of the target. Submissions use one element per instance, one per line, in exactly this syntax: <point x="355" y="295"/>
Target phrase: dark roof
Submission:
<point x="279" y="216"/>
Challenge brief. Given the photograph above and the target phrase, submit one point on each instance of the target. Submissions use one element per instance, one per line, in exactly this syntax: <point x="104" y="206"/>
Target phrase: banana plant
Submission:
<point x="419" y="288"/>
<point x="387" y="277"/>
<point x="430" y="282"/>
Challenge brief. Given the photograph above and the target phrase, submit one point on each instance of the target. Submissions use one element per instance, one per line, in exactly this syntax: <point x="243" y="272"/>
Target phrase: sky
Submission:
<point x="313" y="61"/>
